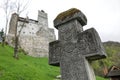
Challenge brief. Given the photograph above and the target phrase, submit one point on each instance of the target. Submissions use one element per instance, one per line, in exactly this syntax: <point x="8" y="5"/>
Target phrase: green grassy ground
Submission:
<point x="100" y="78"/>
<point x="26" y="68"/>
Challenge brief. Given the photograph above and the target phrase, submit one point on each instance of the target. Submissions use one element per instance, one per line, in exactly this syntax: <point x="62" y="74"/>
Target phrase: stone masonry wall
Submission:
<point x="35" y="46"/>
<point x="35" y="35"/>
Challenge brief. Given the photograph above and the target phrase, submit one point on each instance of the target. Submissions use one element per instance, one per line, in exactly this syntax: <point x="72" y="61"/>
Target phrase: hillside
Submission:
<point x="27" y="67"/>
<point x="111" y="43"/>
<point x="113" y="57"/>
<point x="113" y="52"/>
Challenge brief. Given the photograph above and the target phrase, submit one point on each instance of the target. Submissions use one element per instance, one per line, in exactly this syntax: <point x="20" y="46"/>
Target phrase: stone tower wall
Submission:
<point x="35" y="34"/>
<point x="14" y="19"/>
<point x="42" y="19"/>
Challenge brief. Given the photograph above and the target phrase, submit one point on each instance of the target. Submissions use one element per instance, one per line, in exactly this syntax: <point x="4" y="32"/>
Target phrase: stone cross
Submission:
<point x="75" y="49"/>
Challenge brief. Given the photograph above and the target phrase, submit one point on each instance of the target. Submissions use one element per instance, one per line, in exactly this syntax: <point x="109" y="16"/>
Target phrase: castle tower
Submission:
<point x="35" y="35"/>
<point x="42" y="19"/>
<point x="14" y="19"/>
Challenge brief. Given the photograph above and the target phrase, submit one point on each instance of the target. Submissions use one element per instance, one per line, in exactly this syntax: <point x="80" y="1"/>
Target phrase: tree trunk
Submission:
<point x="16" y="48"/>
<point x="3" y="41"/>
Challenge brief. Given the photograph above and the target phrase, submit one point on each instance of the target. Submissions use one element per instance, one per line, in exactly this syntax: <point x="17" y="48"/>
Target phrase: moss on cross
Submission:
<point x="67" y="13"/>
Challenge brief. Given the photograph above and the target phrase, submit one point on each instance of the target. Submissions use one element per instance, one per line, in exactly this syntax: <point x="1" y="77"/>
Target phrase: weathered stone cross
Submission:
<point x="75" y="48"/>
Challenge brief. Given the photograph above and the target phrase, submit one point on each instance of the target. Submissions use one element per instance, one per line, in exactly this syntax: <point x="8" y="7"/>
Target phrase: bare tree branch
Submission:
<point x="17" y="38"/>
<point x="6" y="7"/>
<point x="20" y="8"/>
<point x="17" y="6"/>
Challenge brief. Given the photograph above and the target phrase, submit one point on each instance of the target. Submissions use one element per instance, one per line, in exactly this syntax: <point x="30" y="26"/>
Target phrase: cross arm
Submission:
<point x="90" y="44"/>
<point x="54" y="53"/>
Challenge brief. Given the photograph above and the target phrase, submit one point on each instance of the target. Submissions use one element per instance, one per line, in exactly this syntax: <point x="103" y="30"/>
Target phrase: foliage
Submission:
<point x="1" y="33"/>
<point x="100" y="78"/>
<point x="2" y="37"/>
<point x="113" y="58"/>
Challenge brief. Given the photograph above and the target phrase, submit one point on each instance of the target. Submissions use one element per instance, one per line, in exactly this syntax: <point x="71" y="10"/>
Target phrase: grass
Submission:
<point x="100" y="78"/>
<point x="26" y="68"/>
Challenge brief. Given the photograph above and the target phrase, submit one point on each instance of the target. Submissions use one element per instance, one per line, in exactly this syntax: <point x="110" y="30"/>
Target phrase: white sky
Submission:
<point x="103" y="15"/>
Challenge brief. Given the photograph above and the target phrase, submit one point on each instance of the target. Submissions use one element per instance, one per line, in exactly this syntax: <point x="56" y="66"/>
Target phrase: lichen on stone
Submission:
<point x="67" y="13"/>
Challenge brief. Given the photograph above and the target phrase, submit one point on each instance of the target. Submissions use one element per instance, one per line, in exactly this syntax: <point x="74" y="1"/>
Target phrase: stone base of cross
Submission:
<point x="75" y="49"/>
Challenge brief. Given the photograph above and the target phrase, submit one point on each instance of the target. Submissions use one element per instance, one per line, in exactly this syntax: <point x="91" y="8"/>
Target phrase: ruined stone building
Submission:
<point x="34" y="34"/>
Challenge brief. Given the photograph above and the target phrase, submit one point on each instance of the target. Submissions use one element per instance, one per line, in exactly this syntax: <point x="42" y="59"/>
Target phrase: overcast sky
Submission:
<point x="103" y="15"/>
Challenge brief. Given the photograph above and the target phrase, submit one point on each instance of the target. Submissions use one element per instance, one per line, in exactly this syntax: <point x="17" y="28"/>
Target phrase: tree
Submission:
<point x="116" y="59"/>
<point x="7" y="7"/>
<point x="20" y="7"/>
<point x="17" y="38"/>
<point x="10" y="6"/>
<point x="2" y="36"/>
